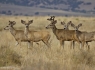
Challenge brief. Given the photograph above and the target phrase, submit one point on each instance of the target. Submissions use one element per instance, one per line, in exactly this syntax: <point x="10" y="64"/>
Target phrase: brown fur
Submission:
<point x="84" y="36"/>
<point x="18" y="34"/>
<point x="61" y="34"/>
<point x="36" y="36"/>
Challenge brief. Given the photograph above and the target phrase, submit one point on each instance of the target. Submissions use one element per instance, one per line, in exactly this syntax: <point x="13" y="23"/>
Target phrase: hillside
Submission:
<point x="73" y="5"/>
<point x="79" y="6"/>
<point x="8" y="9"/>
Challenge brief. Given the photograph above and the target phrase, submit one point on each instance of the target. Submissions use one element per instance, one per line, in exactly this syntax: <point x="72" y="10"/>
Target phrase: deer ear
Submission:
<point x="62" y="23"/>
<point x="9" y="21"/>
<point x="14" y="22"/>
<point x="79" y="25"/>
<point x="22" y="21"/>
<point x="53" y="16"/>
<point x="70" y="22"/>
<point x="72" y="25"/>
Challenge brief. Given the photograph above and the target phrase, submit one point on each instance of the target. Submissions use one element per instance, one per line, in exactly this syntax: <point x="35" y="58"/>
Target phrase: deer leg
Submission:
<point x="73" y="44"/>
<point x="61" y="44"/>
<point x="29" y="44"/>
<point x="87" y="46"/>
<point x="16" y="43"/>
<point x="80" y="45"/>
<point x="83" y="44"/>
<point x="46" y="42"/>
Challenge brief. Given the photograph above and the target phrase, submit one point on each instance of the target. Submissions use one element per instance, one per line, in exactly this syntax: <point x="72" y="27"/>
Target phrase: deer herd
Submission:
<point x="30" y="36"/>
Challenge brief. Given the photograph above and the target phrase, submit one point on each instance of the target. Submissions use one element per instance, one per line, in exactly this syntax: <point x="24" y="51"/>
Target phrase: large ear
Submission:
<point x="22" y="21"/>
<point x="70" y="22"/>
<point x="31" y="21"/>
<point x="79" y="25"/>
<point x="14" y="23"/>
<point x="53" y="17"/>
<point x="49" y="18"/>
<point x="73" y="25"/>
<point x="9" y="21"/>
<point x="62" y="23"/>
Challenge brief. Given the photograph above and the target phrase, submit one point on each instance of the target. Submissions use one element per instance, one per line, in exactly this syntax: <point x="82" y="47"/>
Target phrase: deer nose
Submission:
<point x="4" y="28"/>
<point x="27" y="26"/>
<point x="46" y="27"/>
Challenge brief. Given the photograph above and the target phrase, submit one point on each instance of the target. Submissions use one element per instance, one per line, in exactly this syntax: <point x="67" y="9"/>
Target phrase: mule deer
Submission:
<point x="51" y="18"/>
<point x="35" y="36"/>
<point x="66" y="27"/>
<point x="61" y="34"/>
<point x="17" y="34"/>
<point x="85" y="37"/>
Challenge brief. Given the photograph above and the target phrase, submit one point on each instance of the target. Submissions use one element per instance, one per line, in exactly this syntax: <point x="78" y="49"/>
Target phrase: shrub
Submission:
<point x="84" y="57"/>
<point x="8" y="57"/>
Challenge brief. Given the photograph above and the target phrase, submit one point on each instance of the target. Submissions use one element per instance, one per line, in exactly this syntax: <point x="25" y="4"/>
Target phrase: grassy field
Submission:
<point x="40" y="57"/>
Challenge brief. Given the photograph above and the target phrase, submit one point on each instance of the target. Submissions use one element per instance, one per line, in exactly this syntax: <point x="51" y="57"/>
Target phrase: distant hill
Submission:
<point x="79" y="6"/>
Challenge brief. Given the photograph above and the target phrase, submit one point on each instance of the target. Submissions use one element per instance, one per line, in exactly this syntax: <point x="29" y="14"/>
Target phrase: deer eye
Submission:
<point x="50" y="25"/>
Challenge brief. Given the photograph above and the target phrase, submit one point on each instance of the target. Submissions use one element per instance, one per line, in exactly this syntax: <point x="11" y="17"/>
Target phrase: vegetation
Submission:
<point x="8" y="57"/>
<point x="39" y="57"/>
<point x="71" y="5"/>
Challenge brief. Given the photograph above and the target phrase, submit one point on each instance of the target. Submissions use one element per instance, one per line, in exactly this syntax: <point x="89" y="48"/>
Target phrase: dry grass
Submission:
<point x="40" y="57"/>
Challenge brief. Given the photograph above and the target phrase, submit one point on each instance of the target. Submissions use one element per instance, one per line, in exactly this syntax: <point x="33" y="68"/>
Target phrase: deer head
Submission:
<point x="52" y="24"/>
<point x="51" y="18"/>
<point x="66" y="26"/>
<point x="76" y="27"/>
<point x="27" y="24"/>
<point x="11" y="24"/>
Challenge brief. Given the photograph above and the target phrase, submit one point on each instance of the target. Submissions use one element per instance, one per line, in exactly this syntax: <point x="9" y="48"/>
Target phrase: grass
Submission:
<point x="40" y="57"/>
<point x="8" y="57"/>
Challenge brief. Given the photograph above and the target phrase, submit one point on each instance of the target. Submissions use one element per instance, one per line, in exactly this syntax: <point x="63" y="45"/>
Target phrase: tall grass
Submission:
<point x="8" y="57"/>
<point x="39" y="57"/>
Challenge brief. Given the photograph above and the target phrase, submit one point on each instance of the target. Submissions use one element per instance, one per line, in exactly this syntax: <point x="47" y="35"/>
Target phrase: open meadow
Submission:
<point x="39" y="56"/>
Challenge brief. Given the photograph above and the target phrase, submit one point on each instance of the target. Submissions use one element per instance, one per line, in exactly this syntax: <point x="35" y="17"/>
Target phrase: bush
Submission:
<point x="36" y="13"/>
<point x="8" y="57"/>
<point x="84" y="57"/>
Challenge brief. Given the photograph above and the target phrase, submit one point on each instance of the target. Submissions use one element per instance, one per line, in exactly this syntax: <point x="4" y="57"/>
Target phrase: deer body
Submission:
<point x="62" y="34"/>
<point x="36" y="36"/>
<point x="17" y="34"/>
<point x="84" y="36"/>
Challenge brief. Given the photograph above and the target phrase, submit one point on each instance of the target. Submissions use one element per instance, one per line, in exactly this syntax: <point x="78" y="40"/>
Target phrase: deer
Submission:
<point x="62" y="34"/>
<point x="66" y="27"/>
<point x="84" y="37"/>
<point x="17" y="34"/>
<point x="36" y="36"/>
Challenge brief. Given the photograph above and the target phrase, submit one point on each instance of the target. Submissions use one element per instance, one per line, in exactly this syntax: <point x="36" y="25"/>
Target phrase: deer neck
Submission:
<point x="54" y="29"/>
<point x="13" y="31"/>
<point x="26" y="31"/>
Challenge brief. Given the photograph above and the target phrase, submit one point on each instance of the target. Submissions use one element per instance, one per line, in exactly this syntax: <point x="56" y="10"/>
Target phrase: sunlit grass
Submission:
<point x="39" y="57"/>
